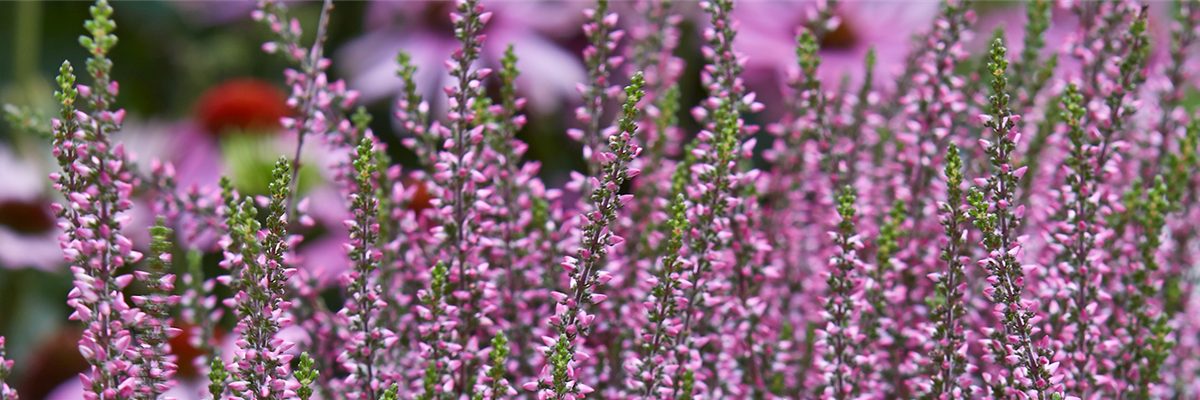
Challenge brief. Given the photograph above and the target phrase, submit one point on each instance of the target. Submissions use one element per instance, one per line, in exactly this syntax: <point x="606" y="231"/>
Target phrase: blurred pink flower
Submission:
<point x="184" y="143"/>
<point x="768" y="36"/>
<point x="28" y="227"/>
<point x="548" y="71"/>
<point x="1064" y="30"/>
<point x="202" y="13"/>
<point x="196" y="157"/>
<point x="325" y="257"/>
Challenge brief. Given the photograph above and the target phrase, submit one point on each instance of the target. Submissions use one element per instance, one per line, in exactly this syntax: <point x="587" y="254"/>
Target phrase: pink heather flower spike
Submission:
<point x="94" y="173"/>
<point x="454" y="156"/>
<point x="664" y="302"/>
<point x="311" y="96"/>
<point x="571" y="316"/>
<point x="949" y="367"/>
<point x="729" y="269"/>
<point x="365" y="302"/>
<point x="839" y="339"/>
<point x="598" y="55"/>
<point x="259" y="263"/>
<point x="651" y="51"/>
<point x="1012" y="345"/>
<point x="522" y="255"/>
<point x="156" y="364"/>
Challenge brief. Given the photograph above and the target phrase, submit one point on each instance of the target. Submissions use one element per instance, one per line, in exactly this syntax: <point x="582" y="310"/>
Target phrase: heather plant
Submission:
<point x="956" y="225"/>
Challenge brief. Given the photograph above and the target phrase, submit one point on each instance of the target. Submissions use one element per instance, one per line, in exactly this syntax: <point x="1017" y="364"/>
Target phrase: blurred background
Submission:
<point x="202" y="94"/>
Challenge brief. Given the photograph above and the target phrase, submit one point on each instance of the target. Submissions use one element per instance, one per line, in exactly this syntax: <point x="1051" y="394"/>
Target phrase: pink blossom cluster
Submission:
<point x="976" y="230"/>
<point x="6" y="365"/>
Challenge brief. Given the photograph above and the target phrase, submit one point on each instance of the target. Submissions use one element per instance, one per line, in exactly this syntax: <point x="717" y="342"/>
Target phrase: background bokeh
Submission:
<point x="202" y="94"/>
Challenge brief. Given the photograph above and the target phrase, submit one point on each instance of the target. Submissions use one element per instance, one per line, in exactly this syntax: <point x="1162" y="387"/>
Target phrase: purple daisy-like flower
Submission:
<point x="422" y="29"/>
<point x="28" y="234"/>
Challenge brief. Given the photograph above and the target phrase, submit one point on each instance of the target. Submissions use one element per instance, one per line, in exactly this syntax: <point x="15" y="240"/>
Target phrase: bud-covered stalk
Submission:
<point x="157" y="365"/>
<point x="311" y="95"/>
<point x="715" y="175"/>
<point x="662" y="309"/>
<point x="413" y="113"/>
<point x="436" y="345"/>
<point x="1149" y="339"/>
<point x="1027" y="364"/>
<point x="365" y="300"/>
<point x="305" y="375"/>
<point x="97" y="182"/>
<point x="262" y="369"/>
<point x="571" y="312"/>
<point x="460" y="179"/>
<point x="949" y="357"/>
<point x="653" y="44"/>
<point x="1077" y="228"/>
<point x="218" y="380"/>
<point x="499" y="388"/>
<point x="842" y="337"/>
<point x="602" y="42"/>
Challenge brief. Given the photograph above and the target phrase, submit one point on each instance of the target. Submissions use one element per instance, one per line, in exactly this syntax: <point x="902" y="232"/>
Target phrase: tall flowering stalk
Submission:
<point x="1078" y="227"/>
<point x="521" y="208"/>
<point x="937" y="103"/>
<point x="1026" y="365"/>
<point x="460" y="181"/>
<point x="413" y="113"/>
<point x="653" y="365"/>
<point x="508" y="153"/>
<point x="714" y="176"/>
<point x="260" y="257"/>
<point x="436" y="346"/>
<point x="309" y="84"/>
<point x="652" y="49"/>
<point x="97" y="181"/>
<point x="598" y="55"/>
<point x="156" y="364"/>
<point x="199" y="306"/>
<point x="365" y="301"/>
<point x="1149" y="342"/>
<point x="842" y="336"/>
<point x="949" y="366"/>
<point x="571" y="316"/>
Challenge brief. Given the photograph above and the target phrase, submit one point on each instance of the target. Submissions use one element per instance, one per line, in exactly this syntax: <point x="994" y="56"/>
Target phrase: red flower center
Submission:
<point x="842" y="38"/>
<point x="243" y="103"/>
<point x="26" y="217"/>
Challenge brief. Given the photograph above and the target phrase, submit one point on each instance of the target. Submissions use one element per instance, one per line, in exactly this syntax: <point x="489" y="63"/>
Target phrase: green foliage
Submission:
<point x="306" y="375"/>
<point x="889" y="235"/>
<point x="392" y="393"/>
<point x="499" y="356"/>
<point x="688" y="384"/>
<point x="559" y="363"/>
<point x="160" y="244"/>
<point x="806" y="51"/>
<point x="218" y="379"/>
